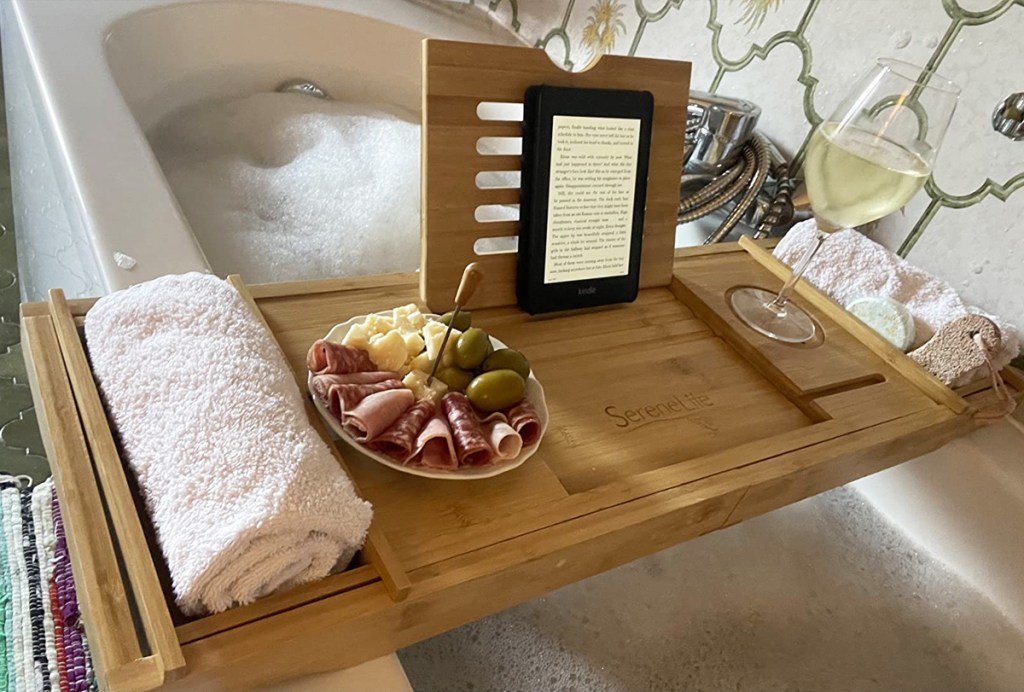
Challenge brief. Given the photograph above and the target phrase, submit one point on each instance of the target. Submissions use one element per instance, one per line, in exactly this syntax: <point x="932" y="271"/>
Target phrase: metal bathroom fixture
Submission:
<point x="726" y="159"/>
<point x="299" y="85"/>
<point x="1008" y="117"/>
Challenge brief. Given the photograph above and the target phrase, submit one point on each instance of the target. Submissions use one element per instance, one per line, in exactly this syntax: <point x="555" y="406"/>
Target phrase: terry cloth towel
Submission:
<point x="244" y="495"/>
<point x="850" y="265"/>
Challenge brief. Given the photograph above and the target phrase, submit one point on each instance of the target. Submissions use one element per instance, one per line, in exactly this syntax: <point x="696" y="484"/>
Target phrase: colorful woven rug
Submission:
<point x="42" y="642"/>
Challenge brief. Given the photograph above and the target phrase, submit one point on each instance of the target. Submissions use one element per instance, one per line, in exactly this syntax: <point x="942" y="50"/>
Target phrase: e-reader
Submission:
<point x="583" y="191"/>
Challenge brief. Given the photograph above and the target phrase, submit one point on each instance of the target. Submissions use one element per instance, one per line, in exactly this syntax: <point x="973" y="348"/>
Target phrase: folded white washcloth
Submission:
<point x="244" y="495"/>
<point x="851" y="266"/>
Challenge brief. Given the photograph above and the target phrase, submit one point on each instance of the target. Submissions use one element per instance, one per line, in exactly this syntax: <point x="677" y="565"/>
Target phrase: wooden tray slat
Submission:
<point x="153" y="611"/>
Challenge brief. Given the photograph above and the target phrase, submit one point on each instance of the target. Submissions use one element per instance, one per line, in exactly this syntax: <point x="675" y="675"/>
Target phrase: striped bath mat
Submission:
<point x="42" y="643"/>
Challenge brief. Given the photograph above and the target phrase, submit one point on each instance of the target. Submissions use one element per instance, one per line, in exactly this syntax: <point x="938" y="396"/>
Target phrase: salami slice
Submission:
<point x="434" y="446"/>
<point x="374" y="414"/>
<point x="399" y="440"/>
<point x="371" y="377"/>
<point x="327" y="357"/>
<point x="523" y="417"/>
<point x="341" y="396"/>
<point x="471" y="446"/>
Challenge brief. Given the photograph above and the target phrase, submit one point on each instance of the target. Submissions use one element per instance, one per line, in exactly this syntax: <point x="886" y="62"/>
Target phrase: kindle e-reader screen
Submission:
<point x="585" y="155"/>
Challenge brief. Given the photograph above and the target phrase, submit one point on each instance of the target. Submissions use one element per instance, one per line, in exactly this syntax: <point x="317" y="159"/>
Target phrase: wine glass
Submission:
<point x="865" y="161"/>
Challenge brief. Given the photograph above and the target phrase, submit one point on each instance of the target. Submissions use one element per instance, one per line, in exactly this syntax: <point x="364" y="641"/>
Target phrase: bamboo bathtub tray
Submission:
<point x="668" y="420"/>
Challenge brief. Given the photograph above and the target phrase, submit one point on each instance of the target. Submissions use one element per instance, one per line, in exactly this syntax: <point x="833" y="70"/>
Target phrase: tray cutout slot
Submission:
<point x="498" y="180"/>
<point x="500" y="110"/>
<point x="499" y="146"/>
<point x="843" y="387"/>
<point x="504" y="245"/>
<point x="496" y="213"/>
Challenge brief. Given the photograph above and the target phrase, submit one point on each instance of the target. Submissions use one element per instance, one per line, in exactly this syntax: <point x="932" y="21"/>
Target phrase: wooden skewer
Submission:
<point x="472" y="275"/>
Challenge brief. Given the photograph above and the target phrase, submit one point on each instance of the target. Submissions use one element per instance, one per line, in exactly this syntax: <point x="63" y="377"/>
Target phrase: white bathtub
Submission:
<point x="84" y="80"/>
<point x="87" y="186"/>
<point x="964" y="504"/>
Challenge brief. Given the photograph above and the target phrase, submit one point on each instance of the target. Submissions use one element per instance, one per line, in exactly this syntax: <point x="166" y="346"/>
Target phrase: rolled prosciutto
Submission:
<point x="374" y="414"/>
<point x="523" y="417"/>
<point x="434" y="446"/>
<point x="503" y="438"/>
<point x="471" y="446"/>
<point x="341" y="396"/>
<point x="327" y="357"/>
<point x="399" y="440"/>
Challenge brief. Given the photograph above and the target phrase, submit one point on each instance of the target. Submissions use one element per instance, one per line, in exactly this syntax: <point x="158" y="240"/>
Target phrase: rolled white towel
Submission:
<point x="851" y="266"/>
<point x="244" y="495"/>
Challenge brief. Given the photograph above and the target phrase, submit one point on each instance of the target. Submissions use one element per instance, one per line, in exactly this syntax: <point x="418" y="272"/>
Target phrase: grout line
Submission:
<point x="918" y="230"/>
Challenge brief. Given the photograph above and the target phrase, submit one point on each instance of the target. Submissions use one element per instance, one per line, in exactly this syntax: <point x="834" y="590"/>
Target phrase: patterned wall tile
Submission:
<point x="894" y="228"/>
<point x="774" y="84"/>
<point x="909" y="32"/>
<point x="21" y="448"/>
<point x="974" y="152"/>
<point x="748" y="28"/>
<point x="604" y="26"/>
<point x="682" y="36"/>
<point x="980" y="251"/>
<point x="978" y="6"/>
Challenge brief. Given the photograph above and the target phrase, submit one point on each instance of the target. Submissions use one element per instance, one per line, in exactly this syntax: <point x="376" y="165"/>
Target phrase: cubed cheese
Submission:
<point x="414" y="344"/>
<point x="416" y="380"/>
<point x="357" y="337"/>
<point x="408" y="319"/>
<point x="388" y="351"/>
<point x="378" y="325"/>
<point x="421" y="362"/>
<point x="433" y="334"/>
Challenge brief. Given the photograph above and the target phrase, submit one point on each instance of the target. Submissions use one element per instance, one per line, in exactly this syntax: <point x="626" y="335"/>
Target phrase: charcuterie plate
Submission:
<point x="534" y="394"/>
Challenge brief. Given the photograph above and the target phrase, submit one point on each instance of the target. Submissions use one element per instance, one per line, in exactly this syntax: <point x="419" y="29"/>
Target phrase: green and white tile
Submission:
<point x="796" y="58"/>
<point x="682" y="36"/>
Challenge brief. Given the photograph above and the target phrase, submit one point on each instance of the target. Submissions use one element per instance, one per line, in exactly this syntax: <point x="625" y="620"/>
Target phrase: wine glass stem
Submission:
<point x="787" y="288"/>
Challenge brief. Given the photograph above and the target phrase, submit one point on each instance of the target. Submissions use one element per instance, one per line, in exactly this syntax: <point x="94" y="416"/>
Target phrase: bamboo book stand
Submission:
<point x="457" y="78"/>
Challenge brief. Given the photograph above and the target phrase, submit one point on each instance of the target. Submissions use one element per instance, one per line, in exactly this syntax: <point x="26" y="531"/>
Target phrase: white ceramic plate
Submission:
<point x="534" y="392"/>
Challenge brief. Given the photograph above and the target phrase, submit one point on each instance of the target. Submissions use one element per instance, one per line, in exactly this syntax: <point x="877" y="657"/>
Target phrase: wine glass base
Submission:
<point x="789" y="324"/>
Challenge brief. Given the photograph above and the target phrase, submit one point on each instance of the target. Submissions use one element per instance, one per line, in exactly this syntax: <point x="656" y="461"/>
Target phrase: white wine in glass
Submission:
<point x="866" y="161"/>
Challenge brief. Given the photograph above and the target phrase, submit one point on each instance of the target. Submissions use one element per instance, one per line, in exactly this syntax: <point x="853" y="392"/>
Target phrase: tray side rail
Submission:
<point x="120" y="659"/>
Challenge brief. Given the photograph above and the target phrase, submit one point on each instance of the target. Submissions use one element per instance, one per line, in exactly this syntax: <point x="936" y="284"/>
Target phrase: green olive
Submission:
<point x="462" y="322"/>
<point x="457" y="379"/>
<point x="508" y="359"/>
<point x="473" y="346"/>
<point x="496" y="390"/>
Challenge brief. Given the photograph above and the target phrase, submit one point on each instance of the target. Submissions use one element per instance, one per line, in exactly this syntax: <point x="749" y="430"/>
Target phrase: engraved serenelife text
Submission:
<point x="679" y="406"/>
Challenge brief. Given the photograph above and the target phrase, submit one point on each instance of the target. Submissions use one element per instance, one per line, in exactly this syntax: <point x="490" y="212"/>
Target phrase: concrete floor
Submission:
<point x="21" y="449"/>
<point x="823" y="595"/>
